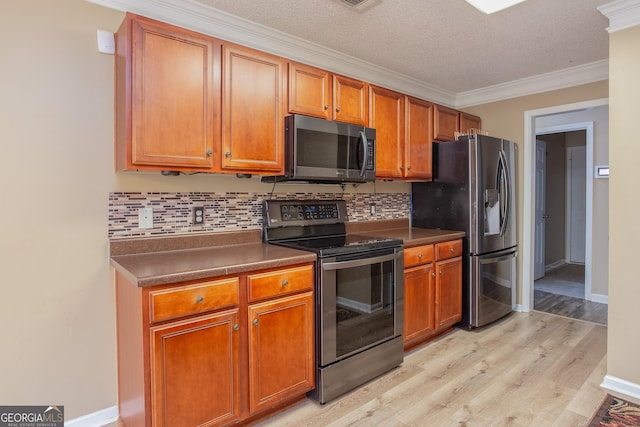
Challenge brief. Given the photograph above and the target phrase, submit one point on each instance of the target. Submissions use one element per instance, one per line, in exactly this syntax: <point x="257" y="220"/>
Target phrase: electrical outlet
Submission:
<point x="145" y="218"/>
<point x="372" y="208"/>
<point x="198" y="215"/>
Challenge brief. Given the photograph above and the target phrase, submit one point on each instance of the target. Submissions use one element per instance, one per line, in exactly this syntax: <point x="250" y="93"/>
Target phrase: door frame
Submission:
<point x="528" y="240"/>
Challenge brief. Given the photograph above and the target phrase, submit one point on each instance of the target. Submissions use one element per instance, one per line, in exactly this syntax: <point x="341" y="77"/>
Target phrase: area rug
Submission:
<point x="616" y="412"/>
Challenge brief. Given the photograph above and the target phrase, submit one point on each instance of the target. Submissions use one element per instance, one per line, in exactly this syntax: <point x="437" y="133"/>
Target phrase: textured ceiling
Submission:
<point x="446" y="43"/>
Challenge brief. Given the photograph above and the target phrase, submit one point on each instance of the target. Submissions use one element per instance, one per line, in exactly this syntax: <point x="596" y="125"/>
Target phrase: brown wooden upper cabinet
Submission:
<point x="319" y="93"/>
<point x="418" y="139"/>
<point x="445" y="123"/>
<point x="166" y="85"/>
<point x="192" y="103"/>
<point x="403" y="134"/>
<point x="253" y="108"/>
<point x="350" y="100"/>
<point x="468" y="122"/>
<point x="386" y="116"/>
<point x="310" y="91"/>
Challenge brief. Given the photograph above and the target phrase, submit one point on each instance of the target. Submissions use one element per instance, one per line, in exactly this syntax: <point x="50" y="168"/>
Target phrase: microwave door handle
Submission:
<point x="363" y="139"/>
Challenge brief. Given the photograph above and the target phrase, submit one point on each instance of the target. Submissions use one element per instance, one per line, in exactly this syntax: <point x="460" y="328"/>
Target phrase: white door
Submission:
<point x="577" y="206"/>
<point x="541" y="179"/>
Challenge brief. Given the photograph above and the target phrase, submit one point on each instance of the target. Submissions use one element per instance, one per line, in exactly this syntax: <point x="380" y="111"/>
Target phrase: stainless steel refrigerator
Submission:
<point x="474" y="190"/>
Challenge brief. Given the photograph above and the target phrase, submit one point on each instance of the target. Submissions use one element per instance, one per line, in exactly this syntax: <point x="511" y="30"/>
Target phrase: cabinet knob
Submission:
<point x="209" y="153"/>
<point x="401" y="168"/>
<point x="420" y="256"/>
<point x="408" y="168"/>
<point x="338" y="109"/>
<point x="433" y="274"/>
<point x="452" y="250"/>
<point x="441" y="272"/>
<point x="285" y="283"/>
<point x="326" y="107"/>
<point x="255" y="321"/>
<point x="236" y="327"/>
<point x="199" y="299"/>
<point x="227" y="154"/>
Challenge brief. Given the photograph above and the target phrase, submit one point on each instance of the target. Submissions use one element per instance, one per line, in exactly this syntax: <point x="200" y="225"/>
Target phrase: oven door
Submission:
<point x="361" y="302"/>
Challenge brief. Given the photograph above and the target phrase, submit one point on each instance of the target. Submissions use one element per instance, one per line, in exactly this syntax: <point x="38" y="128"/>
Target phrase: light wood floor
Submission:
<point x="530" y="369"/>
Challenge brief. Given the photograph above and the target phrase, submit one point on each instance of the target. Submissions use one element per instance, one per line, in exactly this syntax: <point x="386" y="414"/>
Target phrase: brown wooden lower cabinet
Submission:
<point x="206" y="353"/>
<point x="432" y="289"/>
<point x="194" y="371"/>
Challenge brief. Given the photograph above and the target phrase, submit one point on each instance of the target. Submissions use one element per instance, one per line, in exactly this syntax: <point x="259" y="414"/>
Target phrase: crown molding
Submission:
<point x="216" y="23"/>
<point x="574" y="76"/>
<point x="622" y="14"/>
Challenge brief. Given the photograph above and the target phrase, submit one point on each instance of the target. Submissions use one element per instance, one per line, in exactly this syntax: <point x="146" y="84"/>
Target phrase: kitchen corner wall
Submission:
<point x="229" y="211"/>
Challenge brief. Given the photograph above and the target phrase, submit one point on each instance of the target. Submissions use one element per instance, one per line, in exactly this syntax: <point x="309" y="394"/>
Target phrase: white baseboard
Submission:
<point x="604" y="299"/>
<point x="621" y="386"/>
<point x="556" y="264"/>
<point x="97" y="419"/>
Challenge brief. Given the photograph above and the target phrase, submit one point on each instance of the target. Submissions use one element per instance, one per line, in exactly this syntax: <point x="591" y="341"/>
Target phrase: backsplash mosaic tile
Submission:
<point x="173" y="212"/>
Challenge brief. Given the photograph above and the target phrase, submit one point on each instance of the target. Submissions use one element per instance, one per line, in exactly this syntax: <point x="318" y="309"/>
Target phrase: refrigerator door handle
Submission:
<point x="505" y="192"/>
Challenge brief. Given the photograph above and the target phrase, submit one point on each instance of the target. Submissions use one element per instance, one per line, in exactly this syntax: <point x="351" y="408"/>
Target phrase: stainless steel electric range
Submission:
<point x="359" y="292"/>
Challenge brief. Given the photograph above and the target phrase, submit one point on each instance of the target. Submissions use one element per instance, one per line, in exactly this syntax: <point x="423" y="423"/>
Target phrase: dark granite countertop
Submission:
<point x="165" y="260"/>
<point x="400" y="229"/>
<point x="148" y="261"/>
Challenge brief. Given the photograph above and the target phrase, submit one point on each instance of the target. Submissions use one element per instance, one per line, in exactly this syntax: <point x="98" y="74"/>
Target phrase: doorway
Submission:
<point x="560" y="227"/>
<point x="534" y="120"/>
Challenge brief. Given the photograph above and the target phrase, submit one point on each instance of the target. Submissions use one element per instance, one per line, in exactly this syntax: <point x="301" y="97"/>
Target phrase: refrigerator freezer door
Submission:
<point x="491" y="195"/>
<point x="492" y="287"/>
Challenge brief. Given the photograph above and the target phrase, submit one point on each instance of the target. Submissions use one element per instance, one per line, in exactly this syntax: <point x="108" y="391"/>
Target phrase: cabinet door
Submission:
<point x="194" y="371"/>
<point x="281" y="350"/>
<point x="173" y="84"/>
<point x="445" y="123"/>
<point x="386" y="116"/>
<point x="469" y="122"/>
<point x="253" y="100"/>
<point x="448" y="292"/>
<point x="309" y="91"/>
<point x="419" y="139"/>
<point x="419" y="294"/>
<point x="350" y="100"/>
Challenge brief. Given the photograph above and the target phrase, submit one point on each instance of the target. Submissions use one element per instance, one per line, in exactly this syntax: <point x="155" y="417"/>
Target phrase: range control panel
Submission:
<point x="296" y="212"/>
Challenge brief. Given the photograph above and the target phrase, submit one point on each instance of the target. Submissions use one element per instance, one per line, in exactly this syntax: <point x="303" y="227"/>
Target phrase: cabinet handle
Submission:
<point x="451" y="249"/>
<point x="326" y="107"/>
<point x="433" y="274"/>
<point x="420" y="256"/>
<point x="285" y="283"/>
<point x="401" y="167"/>
<point x="227" y="154"/>
<point x="209" y="153"/>
<point x="199" y="299"/>
<point x="408" y="168"/>
<point x="441" y="272"/>
<point x="338" y="109"/>
<point x="255" y="321"/>
<point x="236" y="327"/>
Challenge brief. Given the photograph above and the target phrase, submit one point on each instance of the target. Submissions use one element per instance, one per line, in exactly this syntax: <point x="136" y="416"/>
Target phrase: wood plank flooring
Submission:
<point x="529" y="369"/>
<point x="576" y="308"/>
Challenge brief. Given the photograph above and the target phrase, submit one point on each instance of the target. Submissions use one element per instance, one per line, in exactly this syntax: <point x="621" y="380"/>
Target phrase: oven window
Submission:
<point x="364" y="306"/>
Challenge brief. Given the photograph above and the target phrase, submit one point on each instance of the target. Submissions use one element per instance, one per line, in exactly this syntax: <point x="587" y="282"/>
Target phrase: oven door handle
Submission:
<point x="337" y="265"/>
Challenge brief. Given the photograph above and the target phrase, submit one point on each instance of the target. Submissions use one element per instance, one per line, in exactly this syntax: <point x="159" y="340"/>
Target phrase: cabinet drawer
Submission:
<point x="192" y="299"/>
<point x="450" y="249"/>
<point x="418" y="255"/>
<point x="280" y="282"/>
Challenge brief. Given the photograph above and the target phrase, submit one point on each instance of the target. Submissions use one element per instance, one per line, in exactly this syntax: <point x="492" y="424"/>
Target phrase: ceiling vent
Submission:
<point x="355" y="3"/>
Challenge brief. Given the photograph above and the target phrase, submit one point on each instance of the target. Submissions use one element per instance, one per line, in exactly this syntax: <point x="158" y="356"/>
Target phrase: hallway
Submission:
<point x="561" y="292"/>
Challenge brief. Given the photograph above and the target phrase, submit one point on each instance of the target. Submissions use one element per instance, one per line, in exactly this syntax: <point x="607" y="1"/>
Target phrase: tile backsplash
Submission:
<point x="173" y="212"/>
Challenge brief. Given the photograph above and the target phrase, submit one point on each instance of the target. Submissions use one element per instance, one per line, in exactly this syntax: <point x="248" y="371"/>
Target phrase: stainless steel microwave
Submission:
<point x="318" y="150"/>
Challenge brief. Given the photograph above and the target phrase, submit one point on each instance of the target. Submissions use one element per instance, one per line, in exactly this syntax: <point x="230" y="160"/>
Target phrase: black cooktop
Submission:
<point x="317" y="226"/>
